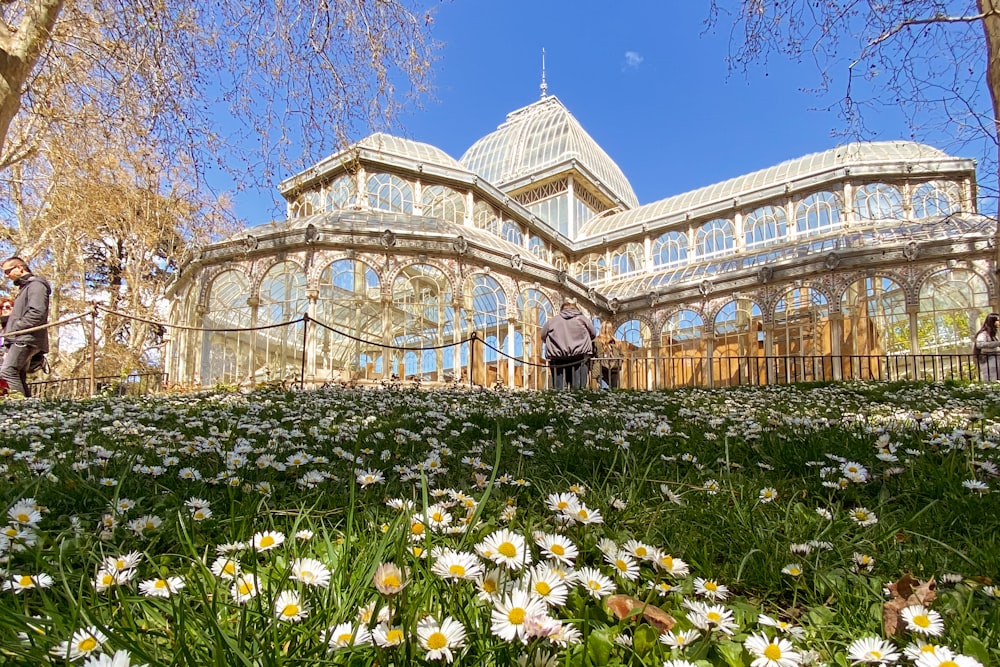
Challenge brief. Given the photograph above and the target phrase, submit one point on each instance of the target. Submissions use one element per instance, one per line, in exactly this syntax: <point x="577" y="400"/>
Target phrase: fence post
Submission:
<point x="472" y="356"/>
<point x="93" y="349"/>
<point x="302" y="368"/>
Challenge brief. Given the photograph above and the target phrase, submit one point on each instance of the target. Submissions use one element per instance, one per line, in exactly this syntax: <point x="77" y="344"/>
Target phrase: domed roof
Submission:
<point x="540" y="136"/>
<point x="391" y="145"/>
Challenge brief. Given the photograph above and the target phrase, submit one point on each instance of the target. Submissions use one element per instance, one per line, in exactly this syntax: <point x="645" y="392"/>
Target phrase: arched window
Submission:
<point x="592" y="268"/>
<point x="739" y="340"/>
<point x="422" y="316"/>
<point x="534" y="309"/>
<point x="349" y="304"/>
<point x="341" y="193"/>
<point x="512" y="232"/>
<point x="875" y="320"/>
<point x="626" y="259"/>
<point x="388" y="192"/>
<point x="484" y="217"/>
<point x="670" y="248"/>
<point x="764" y="226"/>
<point x="635" y="332"/>
<point x="681" y="343"/>
<point x="818" y="213"/>
<point x="537" y="247"/>
<point x="282" y="299"/>
<point x="714" y="237"/>
<point x="802" y="325"/>
<point x="953" y="304"/>
<point x="442" y="202"/>
<point x="935" y="198"/>
<point x="485" y="304"/>
<point x="306" y="204"/>
<point x="227" y="357"/>
<point x="878" y="201"/>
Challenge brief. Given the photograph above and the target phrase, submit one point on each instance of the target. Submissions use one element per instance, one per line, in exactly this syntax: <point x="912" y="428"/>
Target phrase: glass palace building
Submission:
<point x="398" y="261"/>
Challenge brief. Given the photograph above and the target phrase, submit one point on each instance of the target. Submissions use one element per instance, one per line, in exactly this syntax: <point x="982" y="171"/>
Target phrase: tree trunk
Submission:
<point x="991" y="28"/>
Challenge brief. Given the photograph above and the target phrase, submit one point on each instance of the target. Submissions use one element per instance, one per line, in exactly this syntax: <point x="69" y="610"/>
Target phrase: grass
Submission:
<point x="856" y="485"/>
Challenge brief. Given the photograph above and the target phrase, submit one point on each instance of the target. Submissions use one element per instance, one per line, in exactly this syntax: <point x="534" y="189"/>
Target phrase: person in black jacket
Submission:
<point x="569" y="345"/>
<point x="31" y="310"/>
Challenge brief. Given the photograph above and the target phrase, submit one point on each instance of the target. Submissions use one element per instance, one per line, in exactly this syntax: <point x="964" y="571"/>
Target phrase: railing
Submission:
<point x="134" y="384"/>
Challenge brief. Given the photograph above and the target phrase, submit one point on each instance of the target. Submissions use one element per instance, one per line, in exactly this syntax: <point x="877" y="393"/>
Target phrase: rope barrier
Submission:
<point x="47" y="325"/>
<point x="212" y="330"/>
<point x="393" y="347"/>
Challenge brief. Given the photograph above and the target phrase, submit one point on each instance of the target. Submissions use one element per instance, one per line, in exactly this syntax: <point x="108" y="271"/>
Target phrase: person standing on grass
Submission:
<point x="987" y="349"/>
<point x="31" y="309"/>
<point x="569" y="344"/>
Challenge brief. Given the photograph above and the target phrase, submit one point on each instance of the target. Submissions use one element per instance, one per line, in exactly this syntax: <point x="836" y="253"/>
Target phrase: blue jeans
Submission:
<point x="15" y="367"/>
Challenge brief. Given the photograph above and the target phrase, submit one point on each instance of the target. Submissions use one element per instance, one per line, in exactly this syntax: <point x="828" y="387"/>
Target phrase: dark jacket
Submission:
<point x="568" y="334"/>
<point x="31" y="309"/>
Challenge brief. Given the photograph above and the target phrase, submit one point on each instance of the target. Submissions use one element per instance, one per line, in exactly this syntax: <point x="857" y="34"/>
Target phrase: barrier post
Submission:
<point x="302" y="369"/>
<point x="93" y="349"/>
<point x="472" y="356"/>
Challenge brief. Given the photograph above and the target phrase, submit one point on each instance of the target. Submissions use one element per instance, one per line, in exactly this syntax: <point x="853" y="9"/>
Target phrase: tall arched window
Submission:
<point x="802" y="324"/>
<point x="818" y="213"/>
<point x="739" y="340"/>
<point x="626" y="259"/>
<point x="670" y="248"/>
<point x="875" y="320"/>
<point x="537" y="247"/>
<point x="878" y="201"/>
<point x="534" y="309"/>
<point x="439" y="201"/>
<point x="683" y="348"/>
<point x="422" y="317"/>
<point x="388" y="192"/>
<point x="341" y="193"/>
<point x="485" y="217"/>
<point x="349" y="304"/>
<point x="635" y="332"/>
<point x="935" y="198"/>
<point x="714" y="238"/>
<point x="282" y="299"/>
<point x="764" y="226"/>
<point x="486" y="306"/>
<point x="953" y="304"/>
<point x="512" y="232"/>
<point x="226" y="354"/>
<point x="592" y="268"/>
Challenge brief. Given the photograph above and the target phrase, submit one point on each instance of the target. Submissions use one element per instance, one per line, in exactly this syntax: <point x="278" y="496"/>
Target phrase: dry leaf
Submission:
<point x="626" y="606"/>
<point x="905" y="593"/>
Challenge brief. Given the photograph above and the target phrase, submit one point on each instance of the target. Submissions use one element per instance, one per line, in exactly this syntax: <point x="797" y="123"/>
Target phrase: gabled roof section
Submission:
<point x="388" y="144"/>
<point x="786" y="173"/>
<point x="535" y="139"/>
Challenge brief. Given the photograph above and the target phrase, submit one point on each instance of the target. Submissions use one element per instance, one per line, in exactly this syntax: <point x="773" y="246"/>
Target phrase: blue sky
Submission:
<point x="644" y="78"/>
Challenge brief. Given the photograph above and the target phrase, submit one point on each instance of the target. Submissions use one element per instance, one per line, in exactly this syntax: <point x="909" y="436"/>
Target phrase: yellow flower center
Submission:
<point x="543" y="588"/>
<point x="88" y="644"/>
<point x="507" y="549"/>
<point x="25" y="581"/>
<point x="160" y="583"/>
<point x="457" y="570"/>
<point x="344" y="638"/>
<point x="245" y="588"/>
<point x="922" y="621"/>
<point x="772" y="652"/>
<point x="668" y="562"/>
<point x="711" y="586"/>
<point x="877" y="655"/>
<point x="120" y="564"/>
<point x="290" y="610"/>
<point x="107" y="579"/>
<point x="23" y="517"/>
<point x="390" y="581"/>
<point x="641" y="552"/>
<point x="437" y="516"/>
<point x="621" y="565"/>
<point x="714" y="616"/>
<point x="229" y="567"/>
<point x="394" y="636"/>
<point x="583" y="514"/>
<point x="489" y="586"/>
<point x="558" y="550"/>
<point x="516" y="616"/>
<point x="266" y="541"/>
<point x="307" y="576"/>
<point x="436" y="641"/>
<point x="417" y="528"/>
<point x="948" y="663"/>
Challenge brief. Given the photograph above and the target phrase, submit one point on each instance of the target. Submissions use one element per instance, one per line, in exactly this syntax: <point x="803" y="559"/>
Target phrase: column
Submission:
<point x="312" y="296"/>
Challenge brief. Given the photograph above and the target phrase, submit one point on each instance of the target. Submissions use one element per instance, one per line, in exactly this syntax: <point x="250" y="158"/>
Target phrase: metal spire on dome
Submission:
<point x="544" y="86"/>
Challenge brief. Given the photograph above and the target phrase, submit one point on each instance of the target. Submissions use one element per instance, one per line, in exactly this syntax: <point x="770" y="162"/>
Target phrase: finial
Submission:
<point x="545" y="86"/>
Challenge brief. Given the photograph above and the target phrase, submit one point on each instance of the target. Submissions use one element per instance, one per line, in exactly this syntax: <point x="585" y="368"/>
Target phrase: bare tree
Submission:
<point x="936" y="61"/>
<point x="296" y="76"/>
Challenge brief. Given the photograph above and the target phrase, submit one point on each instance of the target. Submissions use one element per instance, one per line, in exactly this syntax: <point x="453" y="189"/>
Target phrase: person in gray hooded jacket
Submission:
<point x="569" y="345"/>
<point x="31" y="309"/>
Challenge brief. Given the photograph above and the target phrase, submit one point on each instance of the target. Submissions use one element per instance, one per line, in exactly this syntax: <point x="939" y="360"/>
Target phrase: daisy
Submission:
<point x="792" y="569"/>
<point x="288" y="606"/>
<point x="123" y="562"/>
<point x="679" y="638"/>
<point x="863" y="562"/>
<point x="872" y="650"/>
<point x="310" y="572"/>
<point x="915" y="649"/>
<point x="624" y="565"/>
<point x="347" y="635"/>
<point x="767" y="494"/>
<point x="505" y="548"/>
<point x="145" y="524"/>
<point x="488" y="585"/>
<point x="562" y="502"/>
<point x="161" y="588"/>
<point x="711" y="617"/>
<point x="244" y="587"/>
<point x="557" y="547"/>
<point x="23" y="582"/>
<point x="639" y="550"/>
<point x="924" y="621"/>
<point x="81" y="644"/>
<point x="710" y="589"/>
<point x="942" y="656"/>
<point x="439" y="639"/>
<point x="510" y="613"/>
<point x="661" y="588"/>
<point x="780" y="626"/>
<point x="548" y="586"/>
<point x="585" y="515"/>
<point x="389" y="579"/>
<point x="386" y="636"/>
<point x="26" y="514"/>
<point x="456" y="565"/>
<point x="225" y="567"/>
<point x="672" y="566"/>
<point x="596" y="583"/>
<point x="267" y="540"/>
<point x="106" y="578"/>
<point x="863" y="516"/>
<point x="121" y="658"/>
<point x="976" y="485"/>
<point x="771" y="653"/>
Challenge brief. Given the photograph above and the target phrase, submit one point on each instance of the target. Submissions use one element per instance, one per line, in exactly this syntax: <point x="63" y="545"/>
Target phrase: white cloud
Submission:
<point x="633" y="59"/>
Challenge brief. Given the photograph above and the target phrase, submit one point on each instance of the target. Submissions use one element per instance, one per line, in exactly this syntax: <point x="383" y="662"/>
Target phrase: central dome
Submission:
<point x="538" y="138"/>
